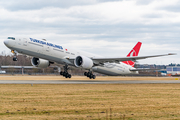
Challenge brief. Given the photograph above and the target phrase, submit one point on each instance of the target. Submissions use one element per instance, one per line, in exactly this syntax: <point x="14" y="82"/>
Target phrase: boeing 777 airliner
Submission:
<point x="45" y="53"/>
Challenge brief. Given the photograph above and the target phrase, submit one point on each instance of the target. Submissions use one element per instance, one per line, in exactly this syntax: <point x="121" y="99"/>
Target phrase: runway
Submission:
<point x="89" y="82"/>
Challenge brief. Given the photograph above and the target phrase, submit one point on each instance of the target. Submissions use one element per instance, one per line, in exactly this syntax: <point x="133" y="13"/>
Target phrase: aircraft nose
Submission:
<point x="6" y="42"/>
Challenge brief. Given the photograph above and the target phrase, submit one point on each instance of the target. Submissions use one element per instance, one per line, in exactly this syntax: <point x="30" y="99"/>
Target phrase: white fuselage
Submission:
<point x="60" y="54"/>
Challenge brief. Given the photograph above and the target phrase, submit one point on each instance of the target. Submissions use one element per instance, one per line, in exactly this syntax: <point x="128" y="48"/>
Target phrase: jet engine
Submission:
<point x="40" y="63"/>
<point x="84" y="62"/>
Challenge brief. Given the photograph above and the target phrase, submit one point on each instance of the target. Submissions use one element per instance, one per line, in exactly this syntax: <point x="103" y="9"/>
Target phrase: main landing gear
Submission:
<point x="65" y="73"/>
<point x="15" y="57"/>
<point x="90" y="75"/>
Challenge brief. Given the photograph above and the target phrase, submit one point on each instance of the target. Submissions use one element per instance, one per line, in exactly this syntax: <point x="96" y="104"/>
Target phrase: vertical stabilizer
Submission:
<point x="133" y="52"/>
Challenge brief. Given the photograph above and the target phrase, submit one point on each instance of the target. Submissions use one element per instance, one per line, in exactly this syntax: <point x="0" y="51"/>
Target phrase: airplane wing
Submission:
<point x="144" y="69"/>
<point x="98" y="61"/>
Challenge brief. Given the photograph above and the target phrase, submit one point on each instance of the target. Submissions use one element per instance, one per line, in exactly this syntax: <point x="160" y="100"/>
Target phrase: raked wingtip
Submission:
<point x="172" y="54"/>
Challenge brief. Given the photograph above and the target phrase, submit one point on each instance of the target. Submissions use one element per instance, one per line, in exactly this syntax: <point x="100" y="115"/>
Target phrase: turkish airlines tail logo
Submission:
<point x="133" y="52"/>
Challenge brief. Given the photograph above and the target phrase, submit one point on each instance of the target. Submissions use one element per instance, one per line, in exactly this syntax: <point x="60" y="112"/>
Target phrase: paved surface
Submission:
<point x="89" y="82"/>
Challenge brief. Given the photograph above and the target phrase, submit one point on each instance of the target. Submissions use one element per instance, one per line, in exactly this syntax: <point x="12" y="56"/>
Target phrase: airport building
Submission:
<point x="173" y="69"/>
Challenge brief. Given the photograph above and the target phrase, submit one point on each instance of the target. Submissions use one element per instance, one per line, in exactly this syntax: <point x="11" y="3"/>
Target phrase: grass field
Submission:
<point x="87" y="101"/>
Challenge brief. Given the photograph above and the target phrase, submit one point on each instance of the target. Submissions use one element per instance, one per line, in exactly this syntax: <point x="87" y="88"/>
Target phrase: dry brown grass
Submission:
<point x="121" y="101"/>
<point x="27" y="77"/>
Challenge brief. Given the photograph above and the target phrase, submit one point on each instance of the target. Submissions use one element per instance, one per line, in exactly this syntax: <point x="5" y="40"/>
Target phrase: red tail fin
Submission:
<point x="133" y="52"/>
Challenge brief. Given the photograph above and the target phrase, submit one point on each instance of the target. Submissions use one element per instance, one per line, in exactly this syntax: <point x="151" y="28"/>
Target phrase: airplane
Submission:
<point x="45" y="53"/>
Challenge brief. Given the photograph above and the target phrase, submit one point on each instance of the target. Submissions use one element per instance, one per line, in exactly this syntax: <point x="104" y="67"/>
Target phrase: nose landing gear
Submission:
<point x="15" y="57"/>
<point x="90" y="75"/>
<point x="65" y="73"/>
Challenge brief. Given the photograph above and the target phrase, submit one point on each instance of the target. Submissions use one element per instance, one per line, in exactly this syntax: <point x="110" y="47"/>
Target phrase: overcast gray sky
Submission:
<point x="106" y="27"/>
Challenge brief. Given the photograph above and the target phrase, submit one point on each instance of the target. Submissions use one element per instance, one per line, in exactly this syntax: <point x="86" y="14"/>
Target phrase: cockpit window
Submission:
<point x="11" y="38"/>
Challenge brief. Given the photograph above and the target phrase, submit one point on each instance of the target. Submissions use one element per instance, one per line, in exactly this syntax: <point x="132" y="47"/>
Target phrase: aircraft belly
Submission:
<point x="112" y="71"/>
<point x="104" y="71"/>
<point x="108" y="71"/>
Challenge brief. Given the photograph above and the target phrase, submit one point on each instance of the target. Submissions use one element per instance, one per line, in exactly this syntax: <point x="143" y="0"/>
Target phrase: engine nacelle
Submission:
<point x="84" y="62"/>
<point x="40" y="63"/>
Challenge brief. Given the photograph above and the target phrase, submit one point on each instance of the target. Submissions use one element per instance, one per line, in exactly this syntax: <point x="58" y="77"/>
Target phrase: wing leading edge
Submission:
<point x="98" y="61"/>
<point x="143" y="69"/>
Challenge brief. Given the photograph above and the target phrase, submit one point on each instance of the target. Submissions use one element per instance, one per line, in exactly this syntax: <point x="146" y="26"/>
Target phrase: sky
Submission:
<point x="109" y="28"/>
